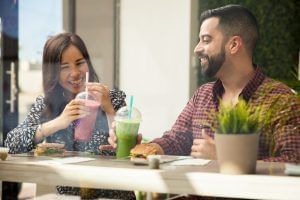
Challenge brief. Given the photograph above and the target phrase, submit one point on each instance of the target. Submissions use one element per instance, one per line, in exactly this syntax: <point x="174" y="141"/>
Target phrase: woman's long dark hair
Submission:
<point x="55" y="100"/>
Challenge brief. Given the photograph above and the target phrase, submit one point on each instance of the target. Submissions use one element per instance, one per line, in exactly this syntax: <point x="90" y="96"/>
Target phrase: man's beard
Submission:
<point x="213" y="64"/>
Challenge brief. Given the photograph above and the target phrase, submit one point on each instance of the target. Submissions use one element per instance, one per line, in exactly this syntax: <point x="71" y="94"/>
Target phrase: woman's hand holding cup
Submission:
<point x="74" y="110"/>
<point x="100" y="93"/>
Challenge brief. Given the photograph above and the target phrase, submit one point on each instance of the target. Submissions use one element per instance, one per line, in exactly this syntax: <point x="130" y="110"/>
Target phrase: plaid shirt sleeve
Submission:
<point x="179" y="140"/>
<point x="286" y="136"/>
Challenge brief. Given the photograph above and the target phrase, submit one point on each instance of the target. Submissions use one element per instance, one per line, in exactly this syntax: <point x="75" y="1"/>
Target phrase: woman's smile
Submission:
<point x="77" y="83"/>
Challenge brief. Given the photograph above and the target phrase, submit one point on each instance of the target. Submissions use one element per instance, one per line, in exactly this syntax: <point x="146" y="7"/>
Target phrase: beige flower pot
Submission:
<point x="237" y="153"/>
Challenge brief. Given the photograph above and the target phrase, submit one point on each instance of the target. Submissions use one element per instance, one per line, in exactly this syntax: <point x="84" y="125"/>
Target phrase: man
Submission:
<point x="227" y="39"/>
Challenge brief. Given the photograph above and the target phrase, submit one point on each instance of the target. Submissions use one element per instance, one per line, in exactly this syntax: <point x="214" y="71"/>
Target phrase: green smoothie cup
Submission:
<point x="126" y="130"/>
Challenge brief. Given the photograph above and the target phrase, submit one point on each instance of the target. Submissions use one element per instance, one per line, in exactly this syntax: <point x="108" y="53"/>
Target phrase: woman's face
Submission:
<point x="73" y="69"/>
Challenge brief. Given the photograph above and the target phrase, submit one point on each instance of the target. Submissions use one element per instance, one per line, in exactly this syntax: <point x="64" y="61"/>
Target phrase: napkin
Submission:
<point x="292" y="169"/>
<point x="68" y="160"/>
<point x="179" y="160"/>
<point x="190" y="161"/>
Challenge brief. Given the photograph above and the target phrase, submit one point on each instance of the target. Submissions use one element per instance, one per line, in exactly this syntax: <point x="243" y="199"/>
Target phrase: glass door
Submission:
<point x="38" y="20"/>
<point x="9" y="66"/>
<point x="9" y="79"/>
<point x="26" y="25"/>
<point x="24" y="28"/>
<point x="1" y="85"/>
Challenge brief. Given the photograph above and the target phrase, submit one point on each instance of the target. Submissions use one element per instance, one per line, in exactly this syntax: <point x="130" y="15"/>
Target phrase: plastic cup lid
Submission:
<point x="82" y="95"/>
<point x="123" y="114"/>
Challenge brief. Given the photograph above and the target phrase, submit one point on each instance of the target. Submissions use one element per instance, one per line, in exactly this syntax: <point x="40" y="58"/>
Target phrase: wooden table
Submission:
<point x="269" y="182"/>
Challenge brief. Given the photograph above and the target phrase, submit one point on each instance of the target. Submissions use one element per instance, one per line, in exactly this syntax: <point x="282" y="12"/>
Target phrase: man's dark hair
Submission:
<point x="235" y="20"/>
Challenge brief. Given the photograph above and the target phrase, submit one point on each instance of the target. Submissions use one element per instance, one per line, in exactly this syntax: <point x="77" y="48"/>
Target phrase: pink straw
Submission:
<point x="86" y="81"/>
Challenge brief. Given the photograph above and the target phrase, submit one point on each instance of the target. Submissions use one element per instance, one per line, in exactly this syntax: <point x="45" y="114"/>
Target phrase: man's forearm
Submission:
<point x="158" y="148"/>
<point x="175" y="143"/>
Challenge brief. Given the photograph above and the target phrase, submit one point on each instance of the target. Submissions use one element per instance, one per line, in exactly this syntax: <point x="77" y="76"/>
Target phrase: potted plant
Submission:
<point x="237" y="137"/>
<point x="238" y="129"/>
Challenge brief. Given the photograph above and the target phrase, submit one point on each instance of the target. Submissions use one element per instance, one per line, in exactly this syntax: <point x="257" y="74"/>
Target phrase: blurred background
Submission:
<point x="143" y="47"/>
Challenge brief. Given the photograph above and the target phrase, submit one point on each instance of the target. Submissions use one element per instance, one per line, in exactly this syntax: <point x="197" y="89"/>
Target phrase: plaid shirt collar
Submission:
<point x="247" y="92"/>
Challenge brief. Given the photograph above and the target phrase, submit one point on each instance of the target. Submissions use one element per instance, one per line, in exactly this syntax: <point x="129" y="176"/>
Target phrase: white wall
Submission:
<point x="95" y="24"/>
<point x="155" y="59"/>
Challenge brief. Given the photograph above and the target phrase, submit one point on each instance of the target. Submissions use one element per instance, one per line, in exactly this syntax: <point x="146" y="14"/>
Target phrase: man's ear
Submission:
<point x="235" y="44"/>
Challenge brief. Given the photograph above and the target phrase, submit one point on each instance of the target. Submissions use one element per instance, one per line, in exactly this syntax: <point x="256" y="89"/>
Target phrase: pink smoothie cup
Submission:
<point x="85" y="126"/>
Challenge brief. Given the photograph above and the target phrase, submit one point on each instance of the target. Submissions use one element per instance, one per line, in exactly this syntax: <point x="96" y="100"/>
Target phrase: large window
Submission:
<point x="37" y="21"/>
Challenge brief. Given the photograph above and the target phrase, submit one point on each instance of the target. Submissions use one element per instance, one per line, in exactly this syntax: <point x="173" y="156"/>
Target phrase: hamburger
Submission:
<point x="141" y="151"/>
<point x="49" y="149"/>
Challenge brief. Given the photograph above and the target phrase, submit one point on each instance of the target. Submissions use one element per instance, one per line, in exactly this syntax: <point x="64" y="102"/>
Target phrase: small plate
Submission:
<point x="139" y="161"/>
<point x="162" y="159"/>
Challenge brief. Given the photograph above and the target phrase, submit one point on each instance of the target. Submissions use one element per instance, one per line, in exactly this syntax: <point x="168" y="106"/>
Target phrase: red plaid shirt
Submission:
<point x="280" y="143"/>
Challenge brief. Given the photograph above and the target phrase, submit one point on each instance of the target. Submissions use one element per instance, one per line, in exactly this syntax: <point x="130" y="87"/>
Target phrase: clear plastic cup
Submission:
<point x="126" y="130"/>
<point x="3" y="153"/>
<point x="85" y="126"/>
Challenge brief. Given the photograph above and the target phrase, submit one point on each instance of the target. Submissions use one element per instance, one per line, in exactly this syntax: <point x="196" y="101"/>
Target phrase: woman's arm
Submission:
<point x="21" y="139"/>
<point x="74" y="110"/>
<point x="24" y="137"/>
<point x="117" y="98"/>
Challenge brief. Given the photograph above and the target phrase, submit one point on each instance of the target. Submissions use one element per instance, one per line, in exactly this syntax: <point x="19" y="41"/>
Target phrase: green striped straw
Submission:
<point x="130" y="106"/>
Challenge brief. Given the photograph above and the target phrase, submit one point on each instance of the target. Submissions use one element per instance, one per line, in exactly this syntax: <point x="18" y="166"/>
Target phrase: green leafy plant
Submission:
<point x="273" y="115"/>
<point x="238" y="119"/>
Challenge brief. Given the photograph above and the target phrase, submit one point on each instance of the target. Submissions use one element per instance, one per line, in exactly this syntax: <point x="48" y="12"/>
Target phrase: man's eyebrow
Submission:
<point x="205" y="35"/>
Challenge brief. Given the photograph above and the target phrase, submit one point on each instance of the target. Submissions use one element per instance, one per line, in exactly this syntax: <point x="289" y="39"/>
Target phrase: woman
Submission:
<point x="53" y="117"/>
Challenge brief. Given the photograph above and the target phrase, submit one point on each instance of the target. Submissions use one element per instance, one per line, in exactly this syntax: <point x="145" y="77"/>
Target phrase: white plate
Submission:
<point x="161" y="158"/>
